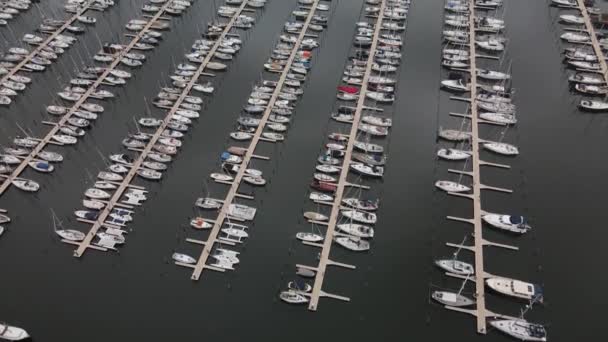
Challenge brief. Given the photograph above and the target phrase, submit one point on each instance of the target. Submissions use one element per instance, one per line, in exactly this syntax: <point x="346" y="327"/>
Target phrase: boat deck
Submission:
<point x="201" y="263"/>
<point x="126" y="182"/>
<point x="47" y="139"/>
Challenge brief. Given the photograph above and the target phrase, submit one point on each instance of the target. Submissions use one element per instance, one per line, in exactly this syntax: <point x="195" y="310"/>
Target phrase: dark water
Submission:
<point x="138" y="294"/>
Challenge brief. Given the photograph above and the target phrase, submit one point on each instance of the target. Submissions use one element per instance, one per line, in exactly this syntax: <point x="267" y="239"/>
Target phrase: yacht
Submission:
<point x="521" y="329"/>
<point x="515" y="288"/>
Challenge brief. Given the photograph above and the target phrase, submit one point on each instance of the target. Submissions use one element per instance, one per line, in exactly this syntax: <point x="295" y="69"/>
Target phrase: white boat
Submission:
<point x="594" y="106"/>
<point x="515" y="288"/>
<point x="310" y="237"/>
<point x="521" y="329"/>
<point x="26" y="185"/>
<point x="109" y="176"/>
<point x="327" y="168"/>
<point x="96" y="194"/>
<point x="501" y="148"/>
<point x="515" y="224"/>
<point x="293" y="297"/>
<point x="360" y="216"/>
<point x="183" y="258"/>
<point x="455" y="266"/>
<point x="449" y="186"/>
<point x="200" y="223"/>
<point x="12" y="333"/>
<point x="221" y="177"/>
<point x="366" y="170"/>
<point x="317" y="196"/>
<point x="357" y="230"/>
<point x="41" y="166"/>
<point x="93" y="204"/>
<point x="352" y="243"/>
<point x="235" y="232"/>
<point x="208" y="203"/>
<point x="456" y="85"/>
<point x="359" y="204"/>
<point x="574" y="37"/>
<point x="453" y="154"/>
<point x="451" y="299"/>
<point x="311" y="215"/>
<point x="149" y="174"/>
<point x="117" y="239"/>
<point x="299" y="286"/>
<point x="454" y="135"/>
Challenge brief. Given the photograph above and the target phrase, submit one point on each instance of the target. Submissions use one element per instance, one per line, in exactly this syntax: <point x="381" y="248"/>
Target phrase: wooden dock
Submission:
<point x="125" y="184"/>
<point x="201" y="264"/>
<point x="6" y="183"/>
<point x="324" y="258"/>
<point x="45" y="43"/>
<point x="594" y="41"/>
<point x="480" y="312"/>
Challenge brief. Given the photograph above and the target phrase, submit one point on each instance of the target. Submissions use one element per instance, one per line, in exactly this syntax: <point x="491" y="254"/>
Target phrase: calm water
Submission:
<point x="138" y="294"/>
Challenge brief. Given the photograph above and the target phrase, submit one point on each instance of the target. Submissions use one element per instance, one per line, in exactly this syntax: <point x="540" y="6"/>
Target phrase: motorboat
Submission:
<point x="511" y="223"/>
<point x="449" y="186"/>
<point x="515" y="288"/>
<point x="455" y="266"/>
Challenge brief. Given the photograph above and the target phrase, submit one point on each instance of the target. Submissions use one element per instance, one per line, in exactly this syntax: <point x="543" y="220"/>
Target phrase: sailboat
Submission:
<point x="12" y="333"/>
<point x="67" y="234"/>
<point x="451" y="298"/>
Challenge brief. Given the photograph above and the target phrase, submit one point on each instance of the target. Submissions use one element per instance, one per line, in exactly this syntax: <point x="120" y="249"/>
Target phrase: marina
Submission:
<point x="411" y="165"/>
<point x="52" y="137"/>
<point x="343" y="231"/>
<point x="230" y="210"/>
<point x="123" y="187"/>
